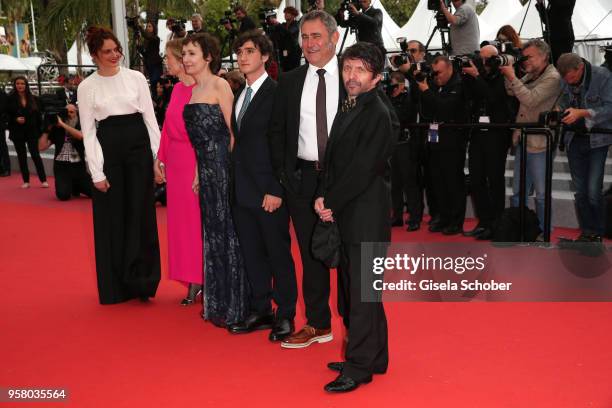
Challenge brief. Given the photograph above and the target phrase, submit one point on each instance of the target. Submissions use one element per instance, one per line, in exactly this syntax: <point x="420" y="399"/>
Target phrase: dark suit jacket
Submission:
<point x="557" y="17"/>
<point x="33" y="119"/>
<point x="246" y="24"/>
<point x="357" y="158"/>
<point x="253" y="174"/>
<point x="285" y="126"/>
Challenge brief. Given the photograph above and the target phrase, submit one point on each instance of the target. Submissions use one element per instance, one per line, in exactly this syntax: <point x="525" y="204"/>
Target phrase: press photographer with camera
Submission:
<point x="197" y="23"/>
<point x="413" y="52"/>
<point x="290" y="47"/>
<point x="246" y="22"/>
<point x="587" y="104"/>
<point x="488" y="147"/>
<point x="149" y="49"/>
<point x="71" y="178"/>
<point x="558" y="29"/>
<point x="406" y="176"/>
<point x="464" y="28"/>
<point x="366" y="19"/>
<point x="537" y="92"/>
<point x="177" y="29"/>
<point x="443" y="100"/>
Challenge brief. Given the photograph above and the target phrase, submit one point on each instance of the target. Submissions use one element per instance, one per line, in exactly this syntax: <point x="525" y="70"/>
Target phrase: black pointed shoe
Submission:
<point x="254" y="322"/>
<point x="344" y="384"/>
<point x="339" y="365"/>
<point x="475" y="232"/>
<point x="281" y="329"/>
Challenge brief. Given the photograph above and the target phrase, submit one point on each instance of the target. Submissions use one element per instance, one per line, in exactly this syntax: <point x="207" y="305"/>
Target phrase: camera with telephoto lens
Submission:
<point x="422" y="71"/>
<point x="132" y="22"/>
<point x="54" y="105"/>
<point x="227" y="18"/>
<point x="403" y="57"/>
<point x="509" y="55"/>
<point x="178" y="26"/>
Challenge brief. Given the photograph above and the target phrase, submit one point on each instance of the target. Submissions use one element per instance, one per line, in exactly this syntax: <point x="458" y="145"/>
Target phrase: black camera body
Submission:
<point x="403" y="57"/>
<point x="463" y="61"/>
<point x="178" y="26"/>
<point x="422" y="71"/>
<point x="551" y="119"/>
<point x="344" y="14"/>
<point x="434" y="5"/>
<point x="132" y="22"/>
<point x="54" y="105"/>
<point x="509" y="55"/>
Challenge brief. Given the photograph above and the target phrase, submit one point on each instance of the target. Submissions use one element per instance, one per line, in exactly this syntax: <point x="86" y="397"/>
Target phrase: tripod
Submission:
<point x="229" y="40"/>
<point x="444" y="32"/>
<point x="346" y="32"/>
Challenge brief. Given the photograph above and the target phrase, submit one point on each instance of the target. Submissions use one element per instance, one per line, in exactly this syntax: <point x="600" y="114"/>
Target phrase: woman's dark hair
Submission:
<point x="30" y="99"/>
<point x="291" y="10"/>
<point x="210" y="48"/>
<point x="95" y="37"/>
<point x="370" y="54"/>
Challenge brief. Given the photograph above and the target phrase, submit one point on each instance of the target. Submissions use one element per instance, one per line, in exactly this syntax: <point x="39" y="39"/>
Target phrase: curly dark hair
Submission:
<point x="370" y="54"/>
<point x="209" y="46"/>
<point x="95" y="37"/>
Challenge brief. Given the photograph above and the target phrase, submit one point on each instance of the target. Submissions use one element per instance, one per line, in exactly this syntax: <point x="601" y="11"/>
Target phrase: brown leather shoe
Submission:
<point x="307" y="336"/>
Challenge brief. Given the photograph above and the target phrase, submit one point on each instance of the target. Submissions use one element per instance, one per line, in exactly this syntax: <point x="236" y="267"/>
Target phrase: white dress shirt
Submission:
<point x="99" y="97"/>
<point x="255" y="87"/>
<point x="307" y="143"/>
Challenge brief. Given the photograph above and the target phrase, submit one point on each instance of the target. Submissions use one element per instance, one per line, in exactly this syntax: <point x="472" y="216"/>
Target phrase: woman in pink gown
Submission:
<point x="176" y="165"/>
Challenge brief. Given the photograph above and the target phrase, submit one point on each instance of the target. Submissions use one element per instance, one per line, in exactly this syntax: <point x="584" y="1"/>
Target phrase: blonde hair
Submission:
<point x="176" y="48"/>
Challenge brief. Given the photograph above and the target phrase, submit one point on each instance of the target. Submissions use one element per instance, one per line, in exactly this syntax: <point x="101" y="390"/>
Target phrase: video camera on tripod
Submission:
<point x="265" y="15"/>
<point x="434" y="5"/>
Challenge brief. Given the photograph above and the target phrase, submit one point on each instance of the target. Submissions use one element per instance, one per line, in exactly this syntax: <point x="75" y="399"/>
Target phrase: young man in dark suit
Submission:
<point x="306" y="103"/>
<point x="260" y="215"/>
<point x="354" y="193"/>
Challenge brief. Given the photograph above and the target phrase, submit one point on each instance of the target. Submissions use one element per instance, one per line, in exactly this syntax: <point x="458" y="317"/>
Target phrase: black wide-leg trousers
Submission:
<point x="125" y="225"/>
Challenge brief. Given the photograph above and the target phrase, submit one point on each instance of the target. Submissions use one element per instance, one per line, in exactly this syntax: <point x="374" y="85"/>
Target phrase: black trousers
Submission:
<point x="367" y="350"/>
<point x="125" y="226"/>
<point x="315" y="275"/>
<point x="266" y="247"/>
<point x="407" y="180"/>
<point x="560" y="46"/>
<point x="5" y="161"/>
<point x="71" y="180"/>
<point x="448" y="178"/>
<point x="22" y="156"/>
<point x="487" y="164"/>
<point x="425" y="158"/>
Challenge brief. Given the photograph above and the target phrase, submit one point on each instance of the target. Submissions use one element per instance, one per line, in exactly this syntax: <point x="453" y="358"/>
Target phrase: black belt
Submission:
<point x="308" y="164"/>
<point x="119" y="120"/>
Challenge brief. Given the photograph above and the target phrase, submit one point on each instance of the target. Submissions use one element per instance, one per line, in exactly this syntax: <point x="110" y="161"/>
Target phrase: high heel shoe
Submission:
<point x="192" y="293"/>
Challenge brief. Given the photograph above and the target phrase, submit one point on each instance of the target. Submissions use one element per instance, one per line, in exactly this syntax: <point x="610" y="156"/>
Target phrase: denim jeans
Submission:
<point x="535" y="180"/>
<point x="587" y="168"/>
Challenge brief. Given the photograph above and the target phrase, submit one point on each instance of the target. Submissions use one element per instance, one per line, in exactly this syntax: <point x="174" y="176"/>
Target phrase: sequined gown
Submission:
<point x="226" y="288"/>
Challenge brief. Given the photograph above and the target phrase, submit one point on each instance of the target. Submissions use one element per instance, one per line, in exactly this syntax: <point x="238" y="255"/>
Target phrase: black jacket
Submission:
<point x="446" y="104"/>
<point x="369" y="26"/>
<point x="285" y="127"/>
<point x="488" y="97"/>
<point x="246" y="24"/>
<point x="253" y="174"/>
<point x="406" y="111"/>
<point x="557" y="17"/>
<point x="31" y="129"/>
<point x="357" y="158"/>
<point x="3" y="110"/>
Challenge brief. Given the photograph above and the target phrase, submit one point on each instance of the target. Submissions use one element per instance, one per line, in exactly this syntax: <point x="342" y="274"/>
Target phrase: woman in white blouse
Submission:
<point x="120" y="133"/>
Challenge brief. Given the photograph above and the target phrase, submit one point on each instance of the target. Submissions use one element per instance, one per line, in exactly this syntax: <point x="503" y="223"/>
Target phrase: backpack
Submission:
<point x="508" y="226"/>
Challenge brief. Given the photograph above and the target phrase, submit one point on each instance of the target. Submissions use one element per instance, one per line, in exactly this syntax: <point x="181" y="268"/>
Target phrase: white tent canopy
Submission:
<point x="72" y="56"/>
<point x="496" y="14"/>
<point x="10" y="63"/>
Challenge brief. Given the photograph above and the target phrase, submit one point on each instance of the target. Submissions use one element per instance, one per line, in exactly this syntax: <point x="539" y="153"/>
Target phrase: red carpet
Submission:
<point x="54" y="334"/>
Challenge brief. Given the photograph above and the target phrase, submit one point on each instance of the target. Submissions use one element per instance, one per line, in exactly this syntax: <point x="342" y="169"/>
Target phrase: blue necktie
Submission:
<point x="245" y="104"/>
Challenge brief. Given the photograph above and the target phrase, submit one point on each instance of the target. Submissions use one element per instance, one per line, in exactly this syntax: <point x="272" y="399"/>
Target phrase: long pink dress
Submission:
<point x="184" y="225"/>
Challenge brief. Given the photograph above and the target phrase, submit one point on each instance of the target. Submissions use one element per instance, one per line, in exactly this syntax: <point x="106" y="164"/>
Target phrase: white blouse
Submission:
<point x="99" y="97"/>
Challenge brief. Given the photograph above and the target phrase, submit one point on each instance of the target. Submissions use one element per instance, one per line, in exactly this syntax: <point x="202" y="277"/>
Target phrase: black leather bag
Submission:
<point x="508" y="227"/>
<point x="325" y="244"/>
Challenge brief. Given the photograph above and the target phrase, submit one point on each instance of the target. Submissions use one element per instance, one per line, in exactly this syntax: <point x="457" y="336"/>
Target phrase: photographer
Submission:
<point x="413" y="52"/>
<point x="443" y="101"/>
<point x="587" y="103"/>
<point x="71" y="178"/>
<point x="536" y="92"/>
<point x="291" y="51"/>
<point x="197" y="24"/>
<point x="488" y="147"/>
<point x="557" y="20"/>
<point x="405" y="164"/>
<point x="316" y="5"/>
<point x="246" y="22"/>
<point x="464" y="28"/>
<point x="150" y="53"/>
<point x="177" y="29"/>
<point x="367" y="21"/>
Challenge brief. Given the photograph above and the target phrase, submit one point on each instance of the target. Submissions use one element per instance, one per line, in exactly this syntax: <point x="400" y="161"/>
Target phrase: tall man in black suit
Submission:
<point x="353" y="192"/>
<point x="261" y="217"/>
<point x="306" y="103"/>
<point x="557" y="20"/>
<point x="368" y="21"/>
